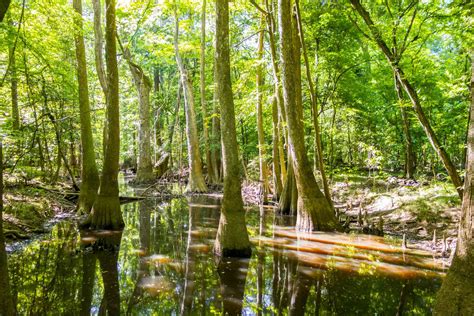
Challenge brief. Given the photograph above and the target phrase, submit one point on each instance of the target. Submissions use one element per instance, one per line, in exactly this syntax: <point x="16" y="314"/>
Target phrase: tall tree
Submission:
<point x="89" y="173"/>
<point x="261" y="136"/>
<point x="232" y="237"/>
<point x="456" y="296"/>
<point x="196" y="181"/>
<point x="106" y="210"/>
<point x="412" y="94"/>
<point x="14" y="91"/>
<point x="314" y="211"/>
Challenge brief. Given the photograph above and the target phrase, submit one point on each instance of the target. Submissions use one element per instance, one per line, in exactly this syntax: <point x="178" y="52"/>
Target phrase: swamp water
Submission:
<point x="162" y="264"/>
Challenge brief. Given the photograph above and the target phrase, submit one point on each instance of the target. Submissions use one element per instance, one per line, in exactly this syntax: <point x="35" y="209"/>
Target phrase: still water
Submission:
<point x="162" y="264"/>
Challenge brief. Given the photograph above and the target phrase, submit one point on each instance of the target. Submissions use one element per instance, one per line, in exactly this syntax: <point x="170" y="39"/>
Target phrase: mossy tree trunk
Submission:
<point x="89" y="173"/>
<point x="14" y="91"/>
<point x="456" y="296"/>
<point x="106" y="210"/>
<point x="232" y="237"/>
<point x="196" y="181"/>
<point x="314" y="211"/>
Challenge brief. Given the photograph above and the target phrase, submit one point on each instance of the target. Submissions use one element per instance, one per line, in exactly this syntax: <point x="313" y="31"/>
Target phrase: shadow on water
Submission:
<point x="163" y="264"/>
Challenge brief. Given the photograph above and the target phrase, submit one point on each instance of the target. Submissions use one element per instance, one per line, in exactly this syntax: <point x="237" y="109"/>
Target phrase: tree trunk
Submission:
<point x="261" y="136"/>
<point x="143" y="84"/>
<point x="314" y="211"/>
<point x="314" y="107"/>
<point x="4" y="8"/>
<point x="202" y="77"/>
<point x="232" y="237"/>
<point x="275" y="153"/>
<point x="409" y="169"/>
<point x="413" y="95"/>
<point x="106" y="210"/>
<point x="14" y="91"/>
<point x="89" y="173"/>
<point x="456" y="296"/>
<point x="196" y="179"/>
<point x="6" y="301"/>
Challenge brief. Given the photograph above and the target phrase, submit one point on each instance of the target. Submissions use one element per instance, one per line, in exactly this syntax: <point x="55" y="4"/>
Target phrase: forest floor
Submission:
<point x="32" y="208"/>
<point x="425" y="211"/>
<point x="416" y="209"/>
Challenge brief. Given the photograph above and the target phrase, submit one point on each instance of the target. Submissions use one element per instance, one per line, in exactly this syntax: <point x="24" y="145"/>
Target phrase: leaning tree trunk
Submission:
<point x="456" y="296"/>
<point x="196" y="179"/>
<point x="412" y="94"/>
<point x="232" y="237"/>
<point x="143" y="84"/>
<point x="106" y="210"/>
<point x="314" y="211"/>
<point x="89" y="173"/>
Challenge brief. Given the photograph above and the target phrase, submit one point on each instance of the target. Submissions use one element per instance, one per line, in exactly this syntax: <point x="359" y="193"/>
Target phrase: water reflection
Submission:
<point x="163" y="264"/>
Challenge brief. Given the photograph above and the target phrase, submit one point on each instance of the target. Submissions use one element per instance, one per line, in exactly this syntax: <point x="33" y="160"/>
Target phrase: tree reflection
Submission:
<point x="232" y="274"/>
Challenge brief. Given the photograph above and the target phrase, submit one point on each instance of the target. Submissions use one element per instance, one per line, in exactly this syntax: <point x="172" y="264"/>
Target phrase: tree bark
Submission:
<point x="314" y="211"/>
<point x="106" y="210"/>
<point x="89" y="173"/>
<point x="412" y="94"/>
<point x="196" y="179"/>
<point x="232" y="237"/>
<point x="456" y="296"/>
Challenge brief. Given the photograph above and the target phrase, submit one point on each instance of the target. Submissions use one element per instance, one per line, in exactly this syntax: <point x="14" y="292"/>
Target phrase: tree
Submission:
<point x="456" y="296"/>
<point x="314" y="211"/>
<point x="232" y="238"/>
<point x="412" y="94"/>
<point x="89" y="174"/>
<point x="143" y="85"/>
<point x="196" y="181"/>
<point x="106" y="210"/>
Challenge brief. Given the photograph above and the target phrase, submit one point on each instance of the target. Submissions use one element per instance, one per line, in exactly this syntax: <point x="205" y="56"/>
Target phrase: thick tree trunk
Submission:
<point x="413" y="95"/>
<point x="456" y="296"/>
<point x="106" y="210"/>
<point x="6" y="301"/>
<point x="409" y="168"/>
<point x="196" y="179"/>
<point x="288" y="203"/>
<point x="89" y="173"/>
<point x="261" y="136"/>
<point x="232" y="237"/>
<point x="143" y="84"/>
<point x="314" y="211"/>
